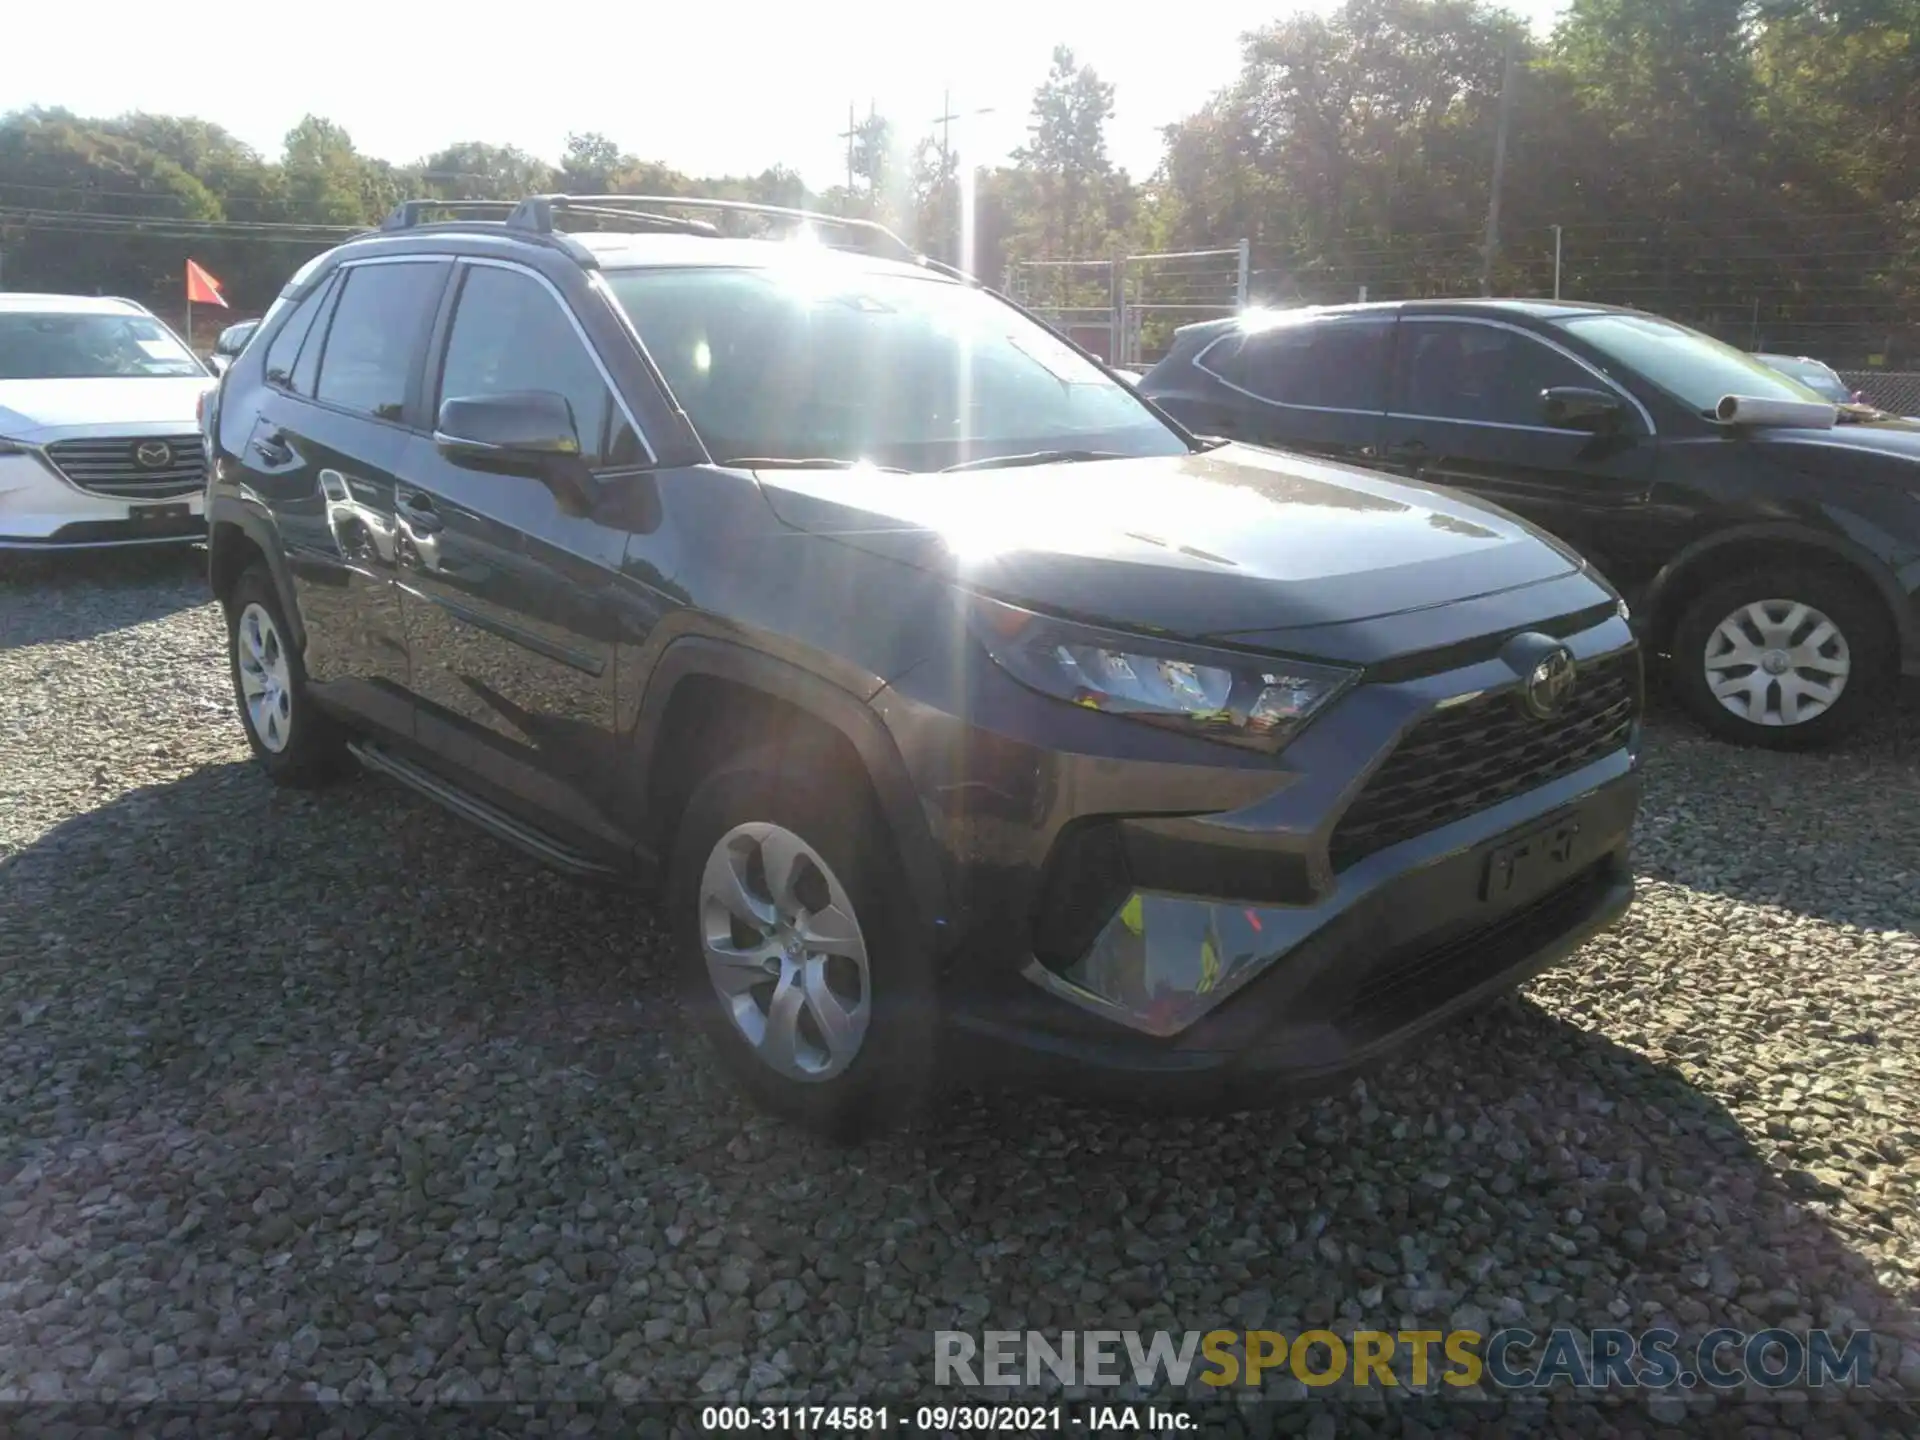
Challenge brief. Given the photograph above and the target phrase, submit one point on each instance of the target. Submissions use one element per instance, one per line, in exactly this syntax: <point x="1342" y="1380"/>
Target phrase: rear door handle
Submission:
<point x="417" y="510"/>
<point x="273" y="449"/>
<point x="1408" y="449"/>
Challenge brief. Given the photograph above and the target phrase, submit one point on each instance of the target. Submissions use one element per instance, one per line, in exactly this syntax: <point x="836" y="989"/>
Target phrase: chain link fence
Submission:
<point x="1894" y="390"/>
<point x="1125" y="309"/>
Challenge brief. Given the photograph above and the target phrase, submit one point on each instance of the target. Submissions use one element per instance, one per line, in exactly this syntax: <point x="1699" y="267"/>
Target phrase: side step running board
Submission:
<point x="487" y="816"/>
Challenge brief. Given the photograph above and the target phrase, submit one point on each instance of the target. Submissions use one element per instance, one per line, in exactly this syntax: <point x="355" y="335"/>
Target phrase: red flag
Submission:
<point x="203" y="288"/>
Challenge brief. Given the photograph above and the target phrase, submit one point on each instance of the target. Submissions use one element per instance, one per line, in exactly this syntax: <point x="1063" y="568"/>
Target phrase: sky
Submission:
<point x="708" y="88"/>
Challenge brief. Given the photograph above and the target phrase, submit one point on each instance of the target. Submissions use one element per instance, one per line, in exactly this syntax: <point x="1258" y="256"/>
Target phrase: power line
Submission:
<point x="82" y="222"/>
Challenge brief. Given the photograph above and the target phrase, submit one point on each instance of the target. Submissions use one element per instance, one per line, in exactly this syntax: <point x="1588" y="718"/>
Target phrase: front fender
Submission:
<point x="846" y="713"/>
<point x="1657" y="602"/>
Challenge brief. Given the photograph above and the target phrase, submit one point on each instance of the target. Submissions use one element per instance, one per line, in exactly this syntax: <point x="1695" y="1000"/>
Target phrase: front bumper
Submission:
<point x="1247" y="936"/>
<point x="41" y="510"/>
<point x="1340" y="984"/>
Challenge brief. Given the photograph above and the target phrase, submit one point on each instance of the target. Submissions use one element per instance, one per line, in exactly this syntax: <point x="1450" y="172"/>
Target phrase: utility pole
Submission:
<point x="945" y="120"/>
<point x="848" y="135"/>
<point x="1499" y="170"/>
<point x="1556" y="262"/>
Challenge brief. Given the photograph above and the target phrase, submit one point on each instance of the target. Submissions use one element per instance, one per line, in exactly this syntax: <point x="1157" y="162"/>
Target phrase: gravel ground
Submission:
<point x="332" y="1096"/>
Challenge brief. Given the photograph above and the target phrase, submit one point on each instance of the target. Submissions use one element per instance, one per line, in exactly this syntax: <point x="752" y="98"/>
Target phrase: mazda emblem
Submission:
<point x="1549" y="684"/>
<point x="153" y="454"/>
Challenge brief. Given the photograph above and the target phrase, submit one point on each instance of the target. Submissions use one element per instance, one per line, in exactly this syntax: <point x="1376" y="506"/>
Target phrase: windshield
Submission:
<point x="1695" y="369"/>
<point x="1812" y="374"/>
<point x="89" y="347"/>
<point x="820" y="362"/>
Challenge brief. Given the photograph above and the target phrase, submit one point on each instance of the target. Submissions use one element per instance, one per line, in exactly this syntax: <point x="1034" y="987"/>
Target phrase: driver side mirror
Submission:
<point x="523" y="432"/>
<point x="1575" y="407"/>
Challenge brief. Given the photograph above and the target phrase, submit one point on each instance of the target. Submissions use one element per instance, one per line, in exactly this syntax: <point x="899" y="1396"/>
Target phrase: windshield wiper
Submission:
<point x="1033" y="457"/>
<point x="1853" y="414"/>
<point x="818" y="462"/>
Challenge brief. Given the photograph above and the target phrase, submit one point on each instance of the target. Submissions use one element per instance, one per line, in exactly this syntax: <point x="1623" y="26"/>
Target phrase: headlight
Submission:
<point x="1224" y="695"/>
<point x="11" y="447"/>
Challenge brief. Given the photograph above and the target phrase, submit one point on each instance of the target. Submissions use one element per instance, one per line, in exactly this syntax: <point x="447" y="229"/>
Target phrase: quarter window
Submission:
<point x="283" y="353"/>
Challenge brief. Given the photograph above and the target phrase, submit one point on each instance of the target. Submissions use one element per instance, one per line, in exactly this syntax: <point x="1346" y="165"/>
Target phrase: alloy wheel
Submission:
<point x="785" y="952"/>
<point x="266" y="684"/>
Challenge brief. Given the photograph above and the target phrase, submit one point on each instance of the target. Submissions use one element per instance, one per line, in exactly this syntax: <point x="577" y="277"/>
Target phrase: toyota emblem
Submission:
<point x="153" y="454"/>
<point x="1548" y="684"/>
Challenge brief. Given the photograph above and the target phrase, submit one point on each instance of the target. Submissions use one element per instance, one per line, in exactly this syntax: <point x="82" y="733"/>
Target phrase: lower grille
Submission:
<point x="133" y="467"/>
<point x="1412" y="985"/>
<point x="119" y="532"/>
<point x="1468" y="757"/>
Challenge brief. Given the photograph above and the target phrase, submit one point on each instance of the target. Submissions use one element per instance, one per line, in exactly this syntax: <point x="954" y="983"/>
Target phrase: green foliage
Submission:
<point x="1066" y="156"/>
<point x="1740" y="163"/>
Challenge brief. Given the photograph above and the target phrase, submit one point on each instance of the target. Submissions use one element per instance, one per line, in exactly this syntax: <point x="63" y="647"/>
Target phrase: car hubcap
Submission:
<point x="784" y="952"/>
<point x="266" y="686"/>
<point x="1777" y="662"/>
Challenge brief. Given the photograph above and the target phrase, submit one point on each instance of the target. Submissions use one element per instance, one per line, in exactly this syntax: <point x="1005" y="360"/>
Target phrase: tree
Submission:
<point x="474" y="170"/>
<point x="872" y="164"/>
<point x="326" y="180"/>
<point x="589" y="164"/>
<point x="1067" y="150"/>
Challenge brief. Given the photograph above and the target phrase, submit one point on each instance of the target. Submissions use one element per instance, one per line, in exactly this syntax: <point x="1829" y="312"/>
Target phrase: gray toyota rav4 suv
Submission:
<point x="965" y="710"/>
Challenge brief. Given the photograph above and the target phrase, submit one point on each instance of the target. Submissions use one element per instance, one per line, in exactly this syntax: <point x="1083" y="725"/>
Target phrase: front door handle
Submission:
<point x="418" y="512"/>
<point x="1407" y="449"/>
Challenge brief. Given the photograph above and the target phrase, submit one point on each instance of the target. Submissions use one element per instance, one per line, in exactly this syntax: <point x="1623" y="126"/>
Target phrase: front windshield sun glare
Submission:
<point x="1693" y="368"/>
<point x="826" y="362"/>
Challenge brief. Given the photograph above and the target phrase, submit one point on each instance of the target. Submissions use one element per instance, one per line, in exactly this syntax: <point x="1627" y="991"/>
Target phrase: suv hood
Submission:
<point x="1231" y="541"/>
<point x="116" y="404"/>
<point x="1894" y="435"/>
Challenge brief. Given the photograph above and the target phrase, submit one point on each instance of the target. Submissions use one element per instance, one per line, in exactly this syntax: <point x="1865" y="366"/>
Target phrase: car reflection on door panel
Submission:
<point x="336" y="428"/>
<point x="329" y="480"/>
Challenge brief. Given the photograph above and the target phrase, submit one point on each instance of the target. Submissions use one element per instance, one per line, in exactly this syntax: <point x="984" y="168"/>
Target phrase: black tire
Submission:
<point x="810" y="794"/>
<point x="1857" y="615"/>
<point x="308" y="747"/>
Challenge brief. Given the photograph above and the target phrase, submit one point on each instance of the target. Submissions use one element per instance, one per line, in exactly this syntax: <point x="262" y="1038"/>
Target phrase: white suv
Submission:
<point x="99" y="432"/>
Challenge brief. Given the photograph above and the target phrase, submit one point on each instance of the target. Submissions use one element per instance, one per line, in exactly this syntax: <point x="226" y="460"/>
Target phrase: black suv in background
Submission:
<point x="1768" y="548"/>
<point x="949" y="691"/>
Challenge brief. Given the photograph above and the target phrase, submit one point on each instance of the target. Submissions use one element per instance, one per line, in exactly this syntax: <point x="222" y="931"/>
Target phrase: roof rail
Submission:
<point x="407" y="213"/>
<point x="537" y="213"/>
<point x="535" y="218"/>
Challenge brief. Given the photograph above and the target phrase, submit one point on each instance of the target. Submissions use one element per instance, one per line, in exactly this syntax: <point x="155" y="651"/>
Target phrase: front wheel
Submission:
<point x="1787" y="661"/>
<point x="797" y="947"/>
